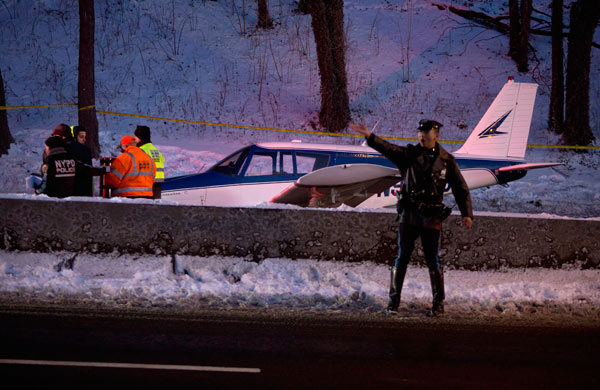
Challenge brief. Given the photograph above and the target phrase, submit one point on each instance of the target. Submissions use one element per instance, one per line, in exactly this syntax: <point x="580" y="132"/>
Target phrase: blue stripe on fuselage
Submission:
<point x="215" y="179"/>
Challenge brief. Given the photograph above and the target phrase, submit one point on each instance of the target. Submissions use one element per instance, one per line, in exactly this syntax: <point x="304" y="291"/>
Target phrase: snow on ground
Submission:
<point x="541" y="295"/>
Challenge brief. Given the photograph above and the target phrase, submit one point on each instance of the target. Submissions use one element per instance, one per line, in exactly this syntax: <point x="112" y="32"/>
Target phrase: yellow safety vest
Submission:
<point x="158" y="159"/>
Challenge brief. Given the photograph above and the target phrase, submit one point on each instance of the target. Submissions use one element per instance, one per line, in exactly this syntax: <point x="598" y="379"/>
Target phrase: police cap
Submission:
<point x="428" y="124"/>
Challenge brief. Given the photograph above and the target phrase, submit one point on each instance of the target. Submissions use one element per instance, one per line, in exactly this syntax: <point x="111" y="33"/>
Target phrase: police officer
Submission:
<point x="61" y="169"/>
<point x="425" y="168"/>
<point x="62" y="131"/>
<point x="83" y="154"/>
<point x="142" y="139"/>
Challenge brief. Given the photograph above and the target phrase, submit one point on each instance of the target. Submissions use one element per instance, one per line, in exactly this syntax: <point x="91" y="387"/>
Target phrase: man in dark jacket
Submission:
<point x="425" y="168"/>
<point x="61" y="169"/>
<point x="85" y="183"/>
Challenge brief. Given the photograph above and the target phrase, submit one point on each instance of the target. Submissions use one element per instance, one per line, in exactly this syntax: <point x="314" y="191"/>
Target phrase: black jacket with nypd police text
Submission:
<point x="63" y="172"/>
<point x="425" y="176"/>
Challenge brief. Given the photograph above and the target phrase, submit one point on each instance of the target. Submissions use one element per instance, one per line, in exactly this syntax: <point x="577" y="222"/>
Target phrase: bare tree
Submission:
<point x="5" y="137"/>
<point x="520" y="24"/>
<point x="556" y="115"/>
<point x="584" y="18"/>
<point x="264" y="20"/>
<point x="522" y="62"/>
<point x="303" y="7"/>
<point x="515" y="28"/>
<point x="328" y="28"/>
<point x="85" y="86"/>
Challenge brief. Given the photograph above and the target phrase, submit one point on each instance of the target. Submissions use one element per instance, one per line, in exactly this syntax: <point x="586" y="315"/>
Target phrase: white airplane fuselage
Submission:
<point x="241" y="188"/>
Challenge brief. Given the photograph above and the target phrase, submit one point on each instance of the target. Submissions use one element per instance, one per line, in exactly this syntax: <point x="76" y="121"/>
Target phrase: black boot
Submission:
<point x="396" y="282"/>
<point x="437" y="290"/>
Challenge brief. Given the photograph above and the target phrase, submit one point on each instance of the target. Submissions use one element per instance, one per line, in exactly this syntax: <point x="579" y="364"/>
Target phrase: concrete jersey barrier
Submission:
<point x="103" y="226"/>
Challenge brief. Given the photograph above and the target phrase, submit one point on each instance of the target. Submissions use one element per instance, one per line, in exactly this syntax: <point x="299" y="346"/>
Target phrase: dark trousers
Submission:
<point x="430" y="240"/>
<point x="156" y="190"/>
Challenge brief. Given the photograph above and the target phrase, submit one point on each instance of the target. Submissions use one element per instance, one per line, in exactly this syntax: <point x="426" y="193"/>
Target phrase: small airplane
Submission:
<point x="326" y="175"/>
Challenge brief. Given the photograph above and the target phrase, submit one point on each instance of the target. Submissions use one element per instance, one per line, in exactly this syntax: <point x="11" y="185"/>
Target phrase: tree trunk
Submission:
<point x="85" y="86"/>
<point x="264" y="20"/>
<point x="584" y="17"/>
<point x="515" y="29"/>
<point x="522" y="62"/>
<point x="557" y="92"/>
<point x="328" y="28"/>
<point x="303" y="7"/>
<point x="5" y="137"/>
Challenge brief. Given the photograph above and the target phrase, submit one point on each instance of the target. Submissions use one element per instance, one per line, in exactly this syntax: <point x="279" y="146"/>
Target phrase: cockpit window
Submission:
<point x="270" y="162"/>
<point x="307" y="162"/>
<point x="274" y="162"/>
<point x="231" y="165"/>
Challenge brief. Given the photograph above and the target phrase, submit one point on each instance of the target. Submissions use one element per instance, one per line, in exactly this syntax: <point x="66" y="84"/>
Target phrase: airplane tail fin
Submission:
<point x="504" y="129"/>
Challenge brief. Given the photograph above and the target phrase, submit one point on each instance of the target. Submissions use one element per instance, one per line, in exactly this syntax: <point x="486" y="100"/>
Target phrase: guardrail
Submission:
<point x="145" y="226"/>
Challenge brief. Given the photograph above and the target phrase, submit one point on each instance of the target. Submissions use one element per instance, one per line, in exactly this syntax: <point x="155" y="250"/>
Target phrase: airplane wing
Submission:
<point x="349" y="184"/>
<point x="528" y="166"/>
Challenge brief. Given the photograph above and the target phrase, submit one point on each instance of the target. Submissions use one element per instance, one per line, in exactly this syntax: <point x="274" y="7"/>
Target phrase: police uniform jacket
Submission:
<point x="131" y="174"/>
<point x="63" y="172"/>
<point x="425" y="174"/>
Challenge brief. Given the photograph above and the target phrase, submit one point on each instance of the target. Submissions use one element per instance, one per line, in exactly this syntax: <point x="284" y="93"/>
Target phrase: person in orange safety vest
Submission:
<point x="132" y="173"/>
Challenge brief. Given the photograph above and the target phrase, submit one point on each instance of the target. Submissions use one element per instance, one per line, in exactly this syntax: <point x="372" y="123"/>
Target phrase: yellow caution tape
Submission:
<point x="322" y="132"/>
<point x="229" y="125"/>
<point x="564" y="147"/>
<point x="278" y="129"/>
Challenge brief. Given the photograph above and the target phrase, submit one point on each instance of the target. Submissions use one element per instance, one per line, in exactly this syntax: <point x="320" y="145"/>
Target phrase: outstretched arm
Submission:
<point x="394" y="153"/>
<point x="360" y="129"/>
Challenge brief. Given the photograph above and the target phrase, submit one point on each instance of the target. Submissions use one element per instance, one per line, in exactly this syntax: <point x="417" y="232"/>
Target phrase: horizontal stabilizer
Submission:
<point x="526" y="167"/>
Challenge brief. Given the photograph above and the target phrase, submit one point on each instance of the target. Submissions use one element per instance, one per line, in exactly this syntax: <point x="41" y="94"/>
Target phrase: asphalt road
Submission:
<point x="287" y="349"/>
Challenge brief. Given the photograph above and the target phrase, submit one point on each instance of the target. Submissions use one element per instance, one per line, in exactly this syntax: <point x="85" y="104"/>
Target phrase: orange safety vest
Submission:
<point x="131" y="174"/>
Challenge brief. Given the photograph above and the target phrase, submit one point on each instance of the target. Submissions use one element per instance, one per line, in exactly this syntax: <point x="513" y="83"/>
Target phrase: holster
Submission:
<point x="445" y="213"/>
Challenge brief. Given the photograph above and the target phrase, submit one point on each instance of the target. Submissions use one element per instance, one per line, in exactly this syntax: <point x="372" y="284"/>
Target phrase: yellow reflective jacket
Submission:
<point x="158" y="159"/>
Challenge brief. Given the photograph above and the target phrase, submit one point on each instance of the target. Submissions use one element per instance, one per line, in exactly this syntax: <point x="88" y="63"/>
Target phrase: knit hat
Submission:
<point x="54" y="142"/>
<point x="143" y="133"/>
<point x="62" y="130"/>
<point x="127" y="140"/>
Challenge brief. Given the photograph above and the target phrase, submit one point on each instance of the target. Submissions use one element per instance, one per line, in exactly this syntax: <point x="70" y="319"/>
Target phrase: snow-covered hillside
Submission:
<point x="206" y="61"/>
